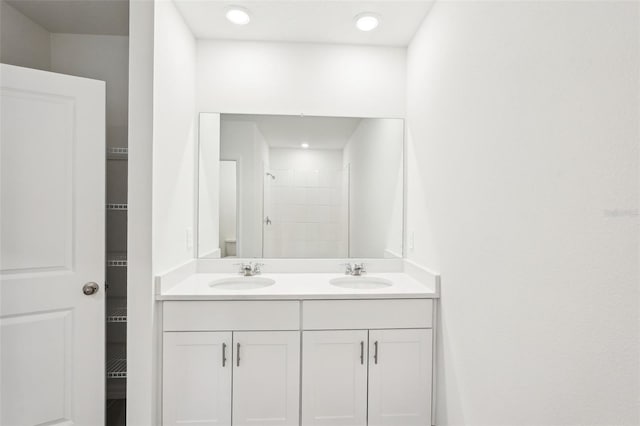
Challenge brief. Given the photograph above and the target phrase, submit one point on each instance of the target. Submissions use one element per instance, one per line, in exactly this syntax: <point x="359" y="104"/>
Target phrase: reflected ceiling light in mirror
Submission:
<point x="304" y="145"/>
<point x="238" y="15"/>
<point x="367" y="21"/>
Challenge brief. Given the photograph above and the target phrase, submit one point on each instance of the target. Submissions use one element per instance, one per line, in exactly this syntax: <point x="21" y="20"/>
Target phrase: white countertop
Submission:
<point x="297" y="286"/>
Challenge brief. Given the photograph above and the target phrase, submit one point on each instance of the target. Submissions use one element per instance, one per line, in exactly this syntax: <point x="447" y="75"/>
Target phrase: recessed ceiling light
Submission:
<point x="367" y="22"/>
<point x="304" y="145"/>
<point x="238" y="15"/>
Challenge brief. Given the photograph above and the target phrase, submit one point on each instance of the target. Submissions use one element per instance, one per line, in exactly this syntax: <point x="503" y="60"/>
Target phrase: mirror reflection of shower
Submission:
<point x="306" y="207"/>
<point x="316" y="187"/>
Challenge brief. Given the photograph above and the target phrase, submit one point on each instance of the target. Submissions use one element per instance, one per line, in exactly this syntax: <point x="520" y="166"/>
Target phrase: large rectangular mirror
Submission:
<point x="274" y="186"/>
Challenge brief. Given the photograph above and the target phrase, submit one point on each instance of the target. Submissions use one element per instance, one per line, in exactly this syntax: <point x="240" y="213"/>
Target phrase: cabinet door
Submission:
<point x="196" y="371"/>
<point x="400" y="377"/>
<point x="266" y="378"/>
<point x="334" y="378"/>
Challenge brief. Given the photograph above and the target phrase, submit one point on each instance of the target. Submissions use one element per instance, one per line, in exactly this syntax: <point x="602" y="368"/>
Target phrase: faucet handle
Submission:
<point x="359" y="268"/>
<point x="243" y="267"/>
<point x="257" y="268"/>
<point x="348" y="268"/>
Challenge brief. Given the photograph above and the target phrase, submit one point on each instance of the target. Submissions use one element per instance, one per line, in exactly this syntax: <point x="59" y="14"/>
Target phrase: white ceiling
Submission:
<point x="106" y="17"/>
<point x="309" y="21"/>
<point x="289" y="131"/>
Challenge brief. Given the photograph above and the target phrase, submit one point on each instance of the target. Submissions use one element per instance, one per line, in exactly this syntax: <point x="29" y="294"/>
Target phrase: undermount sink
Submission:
<point x="361" y="283"/>
<point x="241" y="283"/>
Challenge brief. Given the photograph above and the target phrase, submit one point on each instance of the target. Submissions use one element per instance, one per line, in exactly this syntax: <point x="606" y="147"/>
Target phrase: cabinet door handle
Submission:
<point x="375" y="352"/>
<point x="224" y="354"/>
<point x="362" y="353"/>
<point x="238" y="355"/>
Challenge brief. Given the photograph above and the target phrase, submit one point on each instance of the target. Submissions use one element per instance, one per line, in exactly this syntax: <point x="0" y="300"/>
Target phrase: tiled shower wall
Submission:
<point x="306" y="204"/>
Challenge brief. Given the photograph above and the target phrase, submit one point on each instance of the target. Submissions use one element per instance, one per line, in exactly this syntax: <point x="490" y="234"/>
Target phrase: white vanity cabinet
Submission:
<point x="239" y="363"/>
<point x="373" y="376"/>
<point x="334" y="371"/>
<point x="196" y="378"/>
<point x="217" y="372"/>
<point x="350" y="376"/>
<point x="400" y="369"/>
<point x="266" y="378"/>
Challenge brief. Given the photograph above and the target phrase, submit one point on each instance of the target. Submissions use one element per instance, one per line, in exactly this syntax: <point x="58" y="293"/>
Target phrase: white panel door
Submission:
<point x="196" y="372"/>
<point x="52" y="155"/>
<point x="266" y="378"/>
<point x="400" y="370"/>
<point x="334" y="378"/>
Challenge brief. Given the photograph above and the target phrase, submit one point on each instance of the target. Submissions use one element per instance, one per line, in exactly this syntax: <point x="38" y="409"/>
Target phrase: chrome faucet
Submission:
<point x="355" y="270"/>
<point x="250" y="269"/>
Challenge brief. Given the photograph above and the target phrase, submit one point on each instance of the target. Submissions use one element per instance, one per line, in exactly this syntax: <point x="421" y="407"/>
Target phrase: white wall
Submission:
<point x="305" y="159"/>
<point x="374" y="155"/>
<point x="523" y="193"/>
<point x="241" y="141"/>
<point x="22" y="41"/>
<point x="294" y="78"/>
<point x="175" y="131"/>
<point x="143" y="350"/>
<point x="228" y="205"/>
<point x="209" y="186"/>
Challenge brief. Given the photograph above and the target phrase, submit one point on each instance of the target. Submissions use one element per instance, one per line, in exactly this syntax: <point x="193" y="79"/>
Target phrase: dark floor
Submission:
<point x="116" y="412"/>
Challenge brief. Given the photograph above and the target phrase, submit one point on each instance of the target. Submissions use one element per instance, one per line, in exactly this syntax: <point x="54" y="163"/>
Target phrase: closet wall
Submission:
<point x="23" y="42"/>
